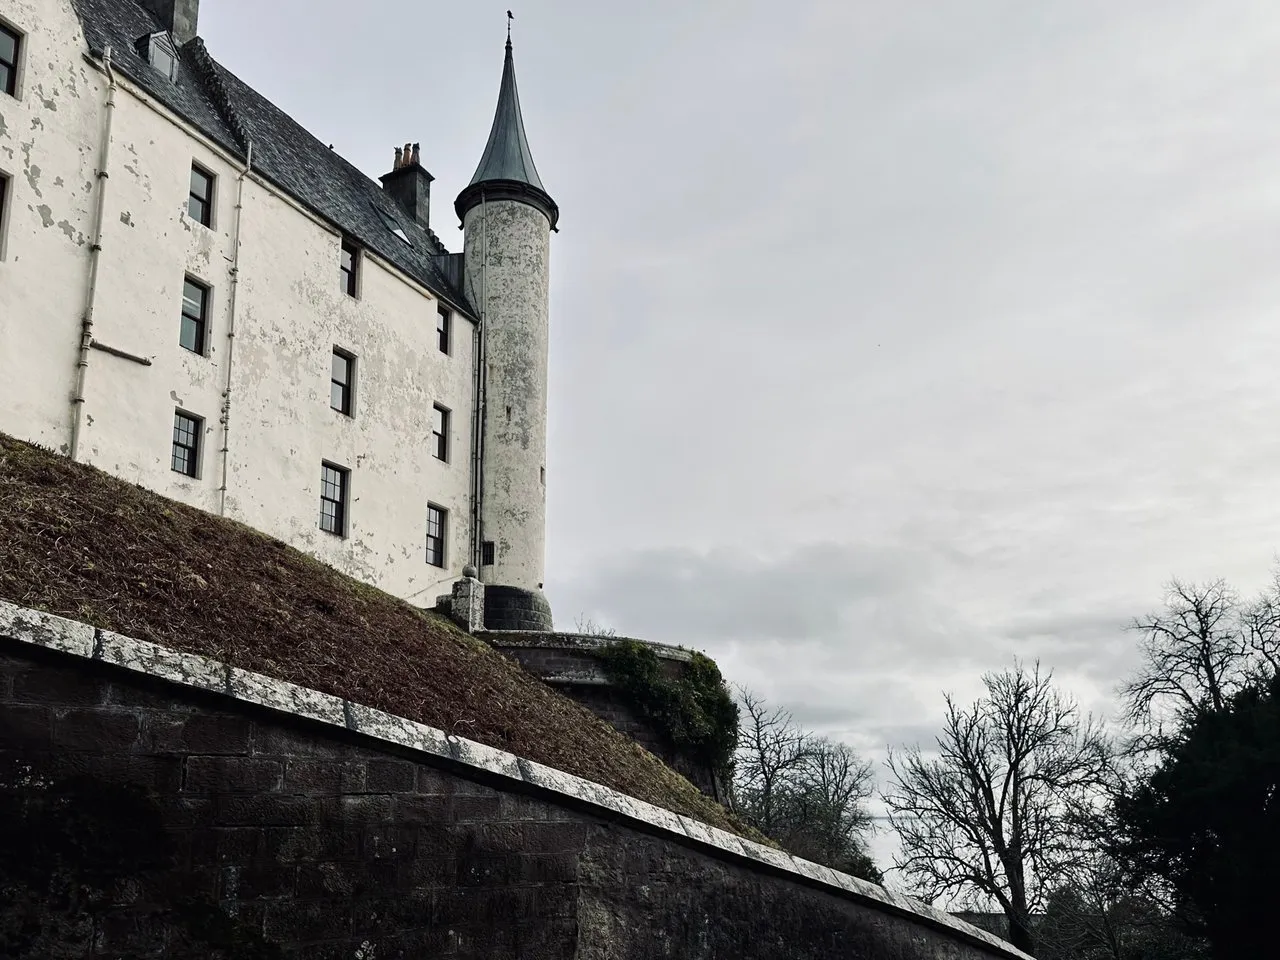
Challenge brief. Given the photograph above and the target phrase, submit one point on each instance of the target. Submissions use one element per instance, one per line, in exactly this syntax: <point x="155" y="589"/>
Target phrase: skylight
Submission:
<point x="390" y="223"/>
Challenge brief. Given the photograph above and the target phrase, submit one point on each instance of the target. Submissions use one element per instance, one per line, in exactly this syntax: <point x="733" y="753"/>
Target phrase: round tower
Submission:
<point x="507" y="218"/>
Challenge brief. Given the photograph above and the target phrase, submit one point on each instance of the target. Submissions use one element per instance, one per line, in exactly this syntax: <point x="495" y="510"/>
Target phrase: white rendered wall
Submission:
<point x="515" y="292"/>
<point x="291" y="313"/>
<point x="49" y="136"/>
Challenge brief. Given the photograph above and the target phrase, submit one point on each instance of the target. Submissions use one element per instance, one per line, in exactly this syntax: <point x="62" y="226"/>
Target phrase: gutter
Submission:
<point x="225" y="417"/>
<point x="95" y="259"/>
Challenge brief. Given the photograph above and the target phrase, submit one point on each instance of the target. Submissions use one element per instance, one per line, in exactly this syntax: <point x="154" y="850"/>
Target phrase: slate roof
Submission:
<point x="230" y="113"/>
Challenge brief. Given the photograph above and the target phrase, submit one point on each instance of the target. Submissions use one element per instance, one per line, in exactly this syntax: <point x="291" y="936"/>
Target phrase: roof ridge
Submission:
<point x="207" y="70"/>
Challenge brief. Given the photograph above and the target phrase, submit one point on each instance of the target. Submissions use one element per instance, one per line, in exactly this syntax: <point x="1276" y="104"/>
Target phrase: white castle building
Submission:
<point x="202" y="298"/>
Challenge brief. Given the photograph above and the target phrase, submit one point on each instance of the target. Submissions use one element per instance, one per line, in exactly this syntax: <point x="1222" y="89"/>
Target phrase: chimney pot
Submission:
<point x="409" y="185"/>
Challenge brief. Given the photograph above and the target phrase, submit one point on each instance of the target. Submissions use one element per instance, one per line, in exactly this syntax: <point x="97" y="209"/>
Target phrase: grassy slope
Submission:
<point x="79" y="543"/>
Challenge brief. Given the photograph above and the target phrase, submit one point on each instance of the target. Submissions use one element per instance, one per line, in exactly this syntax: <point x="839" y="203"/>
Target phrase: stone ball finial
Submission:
<point x="470" y="571"/>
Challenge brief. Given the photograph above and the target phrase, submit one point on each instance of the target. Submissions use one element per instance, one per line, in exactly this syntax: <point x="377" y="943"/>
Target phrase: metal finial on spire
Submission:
<point x="510" y="16"/>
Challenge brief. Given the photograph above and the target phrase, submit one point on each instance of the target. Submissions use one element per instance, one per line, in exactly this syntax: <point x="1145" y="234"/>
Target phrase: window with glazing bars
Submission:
<point x="348" y="267"/>
<point x="342" y="382"/>
<point x="333" y="499"/>
<point x="200" y="202"/>
<point x="443" y="321"/>
<point x="186" y="444"/>
<point x="195" y="315"/>
<point x="440" y="433"/>
<point x="486" y="553"/>
<point x="10" y="43"/>
<point x="435" y="535"/>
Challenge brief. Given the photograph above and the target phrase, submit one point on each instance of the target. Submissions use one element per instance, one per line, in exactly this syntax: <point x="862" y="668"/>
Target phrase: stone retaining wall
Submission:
<point x="157" y="804"/>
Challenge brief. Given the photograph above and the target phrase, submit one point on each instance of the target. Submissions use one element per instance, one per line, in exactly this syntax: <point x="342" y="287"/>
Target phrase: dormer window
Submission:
<point x="159" y="51"/>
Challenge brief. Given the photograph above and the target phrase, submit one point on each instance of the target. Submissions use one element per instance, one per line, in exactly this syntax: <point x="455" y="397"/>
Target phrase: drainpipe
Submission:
<point x="95" y="258"/>
<point x="231" y="326"/>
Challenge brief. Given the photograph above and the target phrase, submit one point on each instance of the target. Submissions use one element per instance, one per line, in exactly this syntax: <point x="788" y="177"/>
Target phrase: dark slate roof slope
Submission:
<point x="230" y="112"/>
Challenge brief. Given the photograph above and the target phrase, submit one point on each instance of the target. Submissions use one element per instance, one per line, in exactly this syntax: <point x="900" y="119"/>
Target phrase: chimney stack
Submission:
<point x="179" y="17"/>
<point x="409" y="184"/>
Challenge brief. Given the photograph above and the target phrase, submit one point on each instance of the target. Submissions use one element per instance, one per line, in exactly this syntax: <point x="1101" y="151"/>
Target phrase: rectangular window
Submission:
<point x="10" y="43"/>
<point x="195" y="315"/>
<point x="343" y="382"/>
<point x="436" y="517"/>
<point x="186" y="444"/>
<point x="333" y="499"/>
<point x="4" y="209"/>
<point x="348" y="267"/>
<point x="440" y="433"/>
<point x="443" y="320"/>
<point x="487" y="553"/>
<point x="200" y="202"/>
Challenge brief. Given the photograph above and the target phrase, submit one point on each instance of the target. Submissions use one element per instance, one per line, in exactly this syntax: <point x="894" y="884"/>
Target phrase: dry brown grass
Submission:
<point x="79" y="543"/>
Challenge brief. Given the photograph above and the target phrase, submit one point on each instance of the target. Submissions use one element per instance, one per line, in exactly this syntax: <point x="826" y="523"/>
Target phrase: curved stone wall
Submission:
<point x="571" y="664"/>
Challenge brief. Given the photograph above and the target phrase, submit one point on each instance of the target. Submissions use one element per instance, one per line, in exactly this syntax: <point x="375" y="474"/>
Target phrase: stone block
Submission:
<point x="60" y="687"/>
<point x="25" y="726"/>
<point x="223" y="775"/>
<point x="142" y="656"/>
<point x="314" y="776"/>
<point x="95" y="730"/>
<point x="46" y="630"/>
<point x="198" y="732"/>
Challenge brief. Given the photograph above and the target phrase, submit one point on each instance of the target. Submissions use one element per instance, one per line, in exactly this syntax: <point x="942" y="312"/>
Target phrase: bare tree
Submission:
<point x="1205" y="645"/>
<point x="808" y="793"/>
<point x="992" y="817"/>
<point x="770" y="748"/>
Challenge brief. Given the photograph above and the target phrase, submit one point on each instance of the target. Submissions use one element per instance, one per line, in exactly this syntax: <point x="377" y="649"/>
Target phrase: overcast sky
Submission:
<point x="890" y="341"/>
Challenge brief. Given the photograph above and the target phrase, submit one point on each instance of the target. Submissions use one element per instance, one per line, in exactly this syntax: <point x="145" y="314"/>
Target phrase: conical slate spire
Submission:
<point x="507" y="155"/>
<point x="506" y="169"/>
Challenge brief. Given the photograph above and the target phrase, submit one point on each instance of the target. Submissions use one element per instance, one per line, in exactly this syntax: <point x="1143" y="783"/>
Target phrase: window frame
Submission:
<point x="350" y="282"/>
<point x="13" y="87"/>
<point x="488" y="553"/>
<point x="201" y="323"/>
<point x="193" y="450"/>
<point x="341" y="511"/>
<point x="348" y="408"/>
<point x="442" y="417"/>
<point x="444" y="329"/>
<point x="437" y="543"/>
<point x="210" y="202"/>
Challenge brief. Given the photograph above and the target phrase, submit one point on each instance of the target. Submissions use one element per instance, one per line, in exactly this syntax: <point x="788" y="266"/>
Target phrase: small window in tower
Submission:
<point x="349" y="268"/>
<point x="443" y="322"/>
<point x="200" y="199"/>
<point x="195" y="316"/>
<point x="487" y="553"/>
<point x="342" y="382"/>
<point x="10" y="46"/>
<point x="436" y="519"/>
<point x="185" y="458"/>
<point x="334" y="486"/>
<point x="4" y="210"/>
<point x="440" y="433"/>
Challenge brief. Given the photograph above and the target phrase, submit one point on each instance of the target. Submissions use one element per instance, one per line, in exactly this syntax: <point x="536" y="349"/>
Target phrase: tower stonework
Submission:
<point x="507" y="219"/>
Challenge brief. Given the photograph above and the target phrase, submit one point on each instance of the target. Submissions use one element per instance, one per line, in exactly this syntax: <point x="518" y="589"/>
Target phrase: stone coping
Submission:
<point x="577" y="642"/>
<point x="71" y="637"/>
